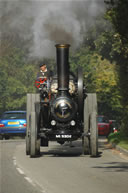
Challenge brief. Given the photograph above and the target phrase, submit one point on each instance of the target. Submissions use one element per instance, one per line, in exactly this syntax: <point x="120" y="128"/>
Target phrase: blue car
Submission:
<point x="13" y="123"/>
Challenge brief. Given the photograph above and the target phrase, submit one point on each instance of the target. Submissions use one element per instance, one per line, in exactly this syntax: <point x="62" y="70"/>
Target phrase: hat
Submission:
<point x="42" y="64"/>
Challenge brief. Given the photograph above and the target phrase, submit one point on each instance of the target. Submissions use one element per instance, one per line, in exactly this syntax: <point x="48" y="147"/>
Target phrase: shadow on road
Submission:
<point x="114" y="167"/>
<point x="66" y="150"/>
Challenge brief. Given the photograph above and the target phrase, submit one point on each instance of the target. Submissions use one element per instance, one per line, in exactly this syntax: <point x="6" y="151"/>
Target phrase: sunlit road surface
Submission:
<point x="63" y="169"/>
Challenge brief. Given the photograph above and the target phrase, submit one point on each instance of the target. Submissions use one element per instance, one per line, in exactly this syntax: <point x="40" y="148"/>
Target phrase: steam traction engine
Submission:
<point x="62" y="111"/>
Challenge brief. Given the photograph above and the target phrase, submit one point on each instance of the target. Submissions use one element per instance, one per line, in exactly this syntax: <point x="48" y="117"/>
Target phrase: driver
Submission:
<point x="43" y="77"/>
<point x="43" y="73"/>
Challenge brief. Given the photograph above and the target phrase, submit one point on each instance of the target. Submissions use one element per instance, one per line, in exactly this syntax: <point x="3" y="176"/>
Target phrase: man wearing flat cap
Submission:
<point x="43" y="85"/>
<point x="43" y="73"/>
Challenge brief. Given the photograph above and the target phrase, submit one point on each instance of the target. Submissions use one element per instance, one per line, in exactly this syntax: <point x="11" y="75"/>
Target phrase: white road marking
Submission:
<point x="40" y="185"/>
<point x="20" y="171"/>
<point x="43" y="191"/>
<point x="14" y="160"/>
<point x="25" y="177"/>
<point x="29" y="180"/>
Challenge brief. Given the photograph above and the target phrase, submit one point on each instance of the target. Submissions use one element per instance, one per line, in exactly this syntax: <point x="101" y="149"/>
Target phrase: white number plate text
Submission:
<point x="63" y="136"/>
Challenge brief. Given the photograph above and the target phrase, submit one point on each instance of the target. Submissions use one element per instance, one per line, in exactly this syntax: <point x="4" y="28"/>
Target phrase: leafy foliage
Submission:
<point x="117" y="15"/>
<point x="17" y="78"/>
<point x="119" y="138"/>
<point x="100" y="76"/>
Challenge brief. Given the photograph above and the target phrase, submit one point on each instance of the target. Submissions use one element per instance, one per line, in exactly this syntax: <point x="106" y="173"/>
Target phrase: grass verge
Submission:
<point x="119" y="139"/>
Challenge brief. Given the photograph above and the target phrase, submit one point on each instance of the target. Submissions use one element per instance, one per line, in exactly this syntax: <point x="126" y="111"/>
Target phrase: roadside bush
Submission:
<point x="119" y="138"/>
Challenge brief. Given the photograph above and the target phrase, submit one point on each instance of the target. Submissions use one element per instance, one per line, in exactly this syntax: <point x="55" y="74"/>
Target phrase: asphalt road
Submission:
<point x="62" y="169"/>
<point x="11" y="180"/>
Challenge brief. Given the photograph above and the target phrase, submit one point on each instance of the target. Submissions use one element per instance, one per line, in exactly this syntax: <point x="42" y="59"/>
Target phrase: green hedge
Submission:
<point x="119" y="138"/>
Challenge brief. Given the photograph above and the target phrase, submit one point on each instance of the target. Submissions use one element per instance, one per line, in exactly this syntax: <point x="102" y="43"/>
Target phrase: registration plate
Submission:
<point x="13" y="123"/>
<point x="64" y="136"/>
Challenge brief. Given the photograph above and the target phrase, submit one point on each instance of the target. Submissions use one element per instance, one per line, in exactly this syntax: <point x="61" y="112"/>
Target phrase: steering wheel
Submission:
<point x="40" y="81"/>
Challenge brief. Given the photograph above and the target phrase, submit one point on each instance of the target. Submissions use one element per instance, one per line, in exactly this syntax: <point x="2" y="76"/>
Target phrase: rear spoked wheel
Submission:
<point x="85" y="138"/>
<point x="80" y="85"/>
<point x="90" y="139"/>
<point x="31" y="100"/>
<point x="93" y="135"/>
<point x="34" y="138"/>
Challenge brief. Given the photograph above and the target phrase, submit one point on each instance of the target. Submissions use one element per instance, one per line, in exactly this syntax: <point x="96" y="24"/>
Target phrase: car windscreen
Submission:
<point x="14" y="115"/>
<point x="103" y="120"/>
<point x="100" y="119"/>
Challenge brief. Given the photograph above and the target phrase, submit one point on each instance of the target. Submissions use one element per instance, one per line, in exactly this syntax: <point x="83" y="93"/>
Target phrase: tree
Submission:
<point x="100" y="76"/>
<point x="117" y="15"/>
<point x="17" y="77"/>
